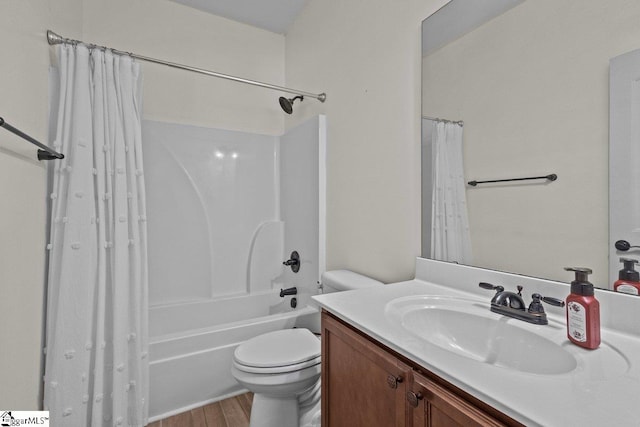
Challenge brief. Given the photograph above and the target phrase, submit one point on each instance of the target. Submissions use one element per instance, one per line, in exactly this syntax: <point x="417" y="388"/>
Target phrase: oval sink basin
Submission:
<point x="467" y="328"/>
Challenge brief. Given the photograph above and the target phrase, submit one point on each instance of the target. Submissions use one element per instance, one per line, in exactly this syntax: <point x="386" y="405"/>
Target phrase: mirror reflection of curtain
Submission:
<point x="450" y="236"/>
<point x="426" y="187"/>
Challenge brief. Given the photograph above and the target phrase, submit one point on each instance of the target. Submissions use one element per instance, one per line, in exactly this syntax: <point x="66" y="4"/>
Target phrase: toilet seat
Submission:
<point x="281" y="351"/>
<point x="277" y="369"/>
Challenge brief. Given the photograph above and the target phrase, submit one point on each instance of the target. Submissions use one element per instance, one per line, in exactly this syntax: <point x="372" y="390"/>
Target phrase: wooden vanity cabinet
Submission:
<point x="364" y="384"/>
<point x="435" y="406"/>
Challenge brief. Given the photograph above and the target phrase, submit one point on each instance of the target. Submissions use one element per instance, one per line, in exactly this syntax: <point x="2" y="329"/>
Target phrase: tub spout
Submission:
<point x="288" y="291"/>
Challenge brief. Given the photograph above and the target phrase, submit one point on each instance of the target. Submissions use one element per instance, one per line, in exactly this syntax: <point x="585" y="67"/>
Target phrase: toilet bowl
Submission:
<point x="282" y="368"/>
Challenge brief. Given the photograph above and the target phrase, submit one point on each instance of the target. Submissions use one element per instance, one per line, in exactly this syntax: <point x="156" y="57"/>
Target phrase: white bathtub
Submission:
<point x="190" y="365"/>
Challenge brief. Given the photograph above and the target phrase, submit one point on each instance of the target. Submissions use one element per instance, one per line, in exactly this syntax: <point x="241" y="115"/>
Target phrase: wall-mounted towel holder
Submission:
<point x="550" y="177"/>
<point x="44" y="153"/>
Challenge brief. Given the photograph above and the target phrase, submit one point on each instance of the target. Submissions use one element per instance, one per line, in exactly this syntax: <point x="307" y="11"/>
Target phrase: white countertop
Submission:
<point x="595" y="393"/>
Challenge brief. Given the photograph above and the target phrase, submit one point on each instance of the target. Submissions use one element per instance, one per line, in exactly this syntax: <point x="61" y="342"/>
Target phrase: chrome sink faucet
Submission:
<point x="512" y="304"/>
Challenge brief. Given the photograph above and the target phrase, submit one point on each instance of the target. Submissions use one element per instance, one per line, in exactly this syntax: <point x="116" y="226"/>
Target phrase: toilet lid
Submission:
<point x="278" y="348"/>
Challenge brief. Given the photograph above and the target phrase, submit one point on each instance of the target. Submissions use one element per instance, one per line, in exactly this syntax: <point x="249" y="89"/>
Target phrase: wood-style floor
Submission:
<point x="232" y="412"/>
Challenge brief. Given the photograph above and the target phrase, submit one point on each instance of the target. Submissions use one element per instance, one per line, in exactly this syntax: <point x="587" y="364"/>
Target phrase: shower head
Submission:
<point x="287" y="104"/>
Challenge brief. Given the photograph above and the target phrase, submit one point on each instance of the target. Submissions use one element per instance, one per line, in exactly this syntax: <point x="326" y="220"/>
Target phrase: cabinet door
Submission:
<point x="435" y="406"/>
<point x="362" y="384"/>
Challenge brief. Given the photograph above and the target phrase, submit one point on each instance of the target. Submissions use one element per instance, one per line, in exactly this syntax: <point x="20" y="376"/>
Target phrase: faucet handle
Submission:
<point x="536" y="305"/>
<point x="485" y="285"/>
<point x="553" y="301"/>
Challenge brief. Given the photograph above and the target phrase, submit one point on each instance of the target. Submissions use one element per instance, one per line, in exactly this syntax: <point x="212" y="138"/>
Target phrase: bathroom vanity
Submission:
<point x="429" y="352"/>
<point x="364" y="383"/>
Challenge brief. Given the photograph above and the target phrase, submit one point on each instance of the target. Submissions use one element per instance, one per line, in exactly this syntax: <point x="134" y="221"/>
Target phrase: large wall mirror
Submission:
<point x="527" y="82"/>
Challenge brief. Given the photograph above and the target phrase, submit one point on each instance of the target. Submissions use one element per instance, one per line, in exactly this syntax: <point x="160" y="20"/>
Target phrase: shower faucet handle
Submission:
<point x="293" y="262"/>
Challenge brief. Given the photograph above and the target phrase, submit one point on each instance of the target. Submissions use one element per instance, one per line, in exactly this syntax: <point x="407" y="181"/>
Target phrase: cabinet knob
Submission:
<point x="414" y="398"/>
<point x="393" y="381"/>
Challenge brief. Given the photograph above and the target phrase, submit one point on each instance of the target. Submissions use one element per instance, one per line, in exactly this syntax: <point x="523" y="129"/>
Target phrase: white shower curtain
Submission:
<point x="96" y="371"/>
<point x="450" y="237"/>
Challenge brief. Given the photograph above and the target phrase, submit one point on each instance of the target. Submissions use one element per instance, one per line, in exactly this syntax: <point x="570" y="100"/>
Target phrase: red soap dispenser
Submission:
<point x="583" y="311"/>
<point x="628" y="279"/>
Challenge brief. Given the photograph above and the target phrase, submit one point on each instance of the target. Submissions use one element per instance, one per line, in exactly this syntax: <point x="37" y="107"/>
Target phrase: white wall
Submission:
<point x="170" y="31"/>
<point x="366" y="56"/>
<point x="24" y="104"/>
<point x="533" y="90"/>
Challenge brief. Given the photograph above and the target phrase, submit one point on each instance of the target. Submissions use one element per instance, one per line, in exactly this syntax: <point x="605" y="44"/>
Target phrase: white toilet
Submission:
<point x="282" y="368"/>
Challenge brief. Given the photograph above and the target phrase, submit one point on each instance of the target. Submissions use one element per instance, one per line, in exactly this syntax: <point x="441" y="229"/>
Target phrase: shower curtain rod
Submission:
<point x="457" y="122"/>
<point x="54" y="39"/>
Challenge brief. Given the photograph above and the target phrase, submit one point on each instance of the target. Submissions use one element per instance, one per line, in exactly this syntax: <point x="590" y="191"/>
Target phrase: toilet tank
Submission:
<point x="345" y="280"/>
<point x="335" y="281"/>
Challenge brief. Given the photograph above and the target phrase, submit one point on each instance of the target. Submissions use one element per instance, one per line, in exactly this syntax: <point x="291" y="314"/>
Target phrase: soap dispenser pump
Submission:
<point x="628" y="278"/>
<point x="583" y="311"/>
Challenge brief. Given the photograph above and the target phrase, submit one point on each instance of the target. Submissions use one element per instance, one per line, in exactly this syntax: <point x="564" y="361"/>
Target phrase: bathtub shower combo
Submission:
<point x="225" y="209"/>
